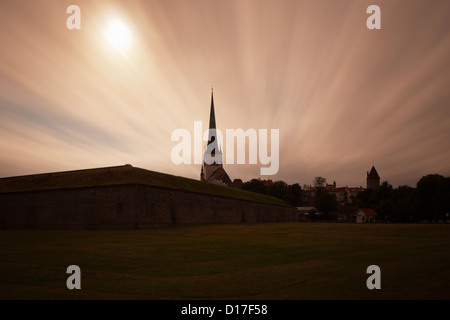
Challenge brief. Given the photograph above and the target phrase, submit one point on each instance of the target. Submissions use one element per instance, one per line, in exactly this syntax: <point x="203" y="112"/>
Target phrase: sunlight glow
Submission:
<point x="118" y="35"/>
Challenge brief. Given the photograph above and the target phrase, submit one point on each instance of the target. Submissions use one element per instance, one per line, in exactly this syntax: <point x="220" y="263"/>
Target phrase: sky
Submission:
<point x="342" y="96"/>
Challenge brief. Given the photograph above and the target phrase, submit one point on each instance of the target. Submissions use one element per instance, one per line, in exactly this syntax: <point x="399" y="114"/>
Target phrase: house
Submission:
<point x="365" y="215"/>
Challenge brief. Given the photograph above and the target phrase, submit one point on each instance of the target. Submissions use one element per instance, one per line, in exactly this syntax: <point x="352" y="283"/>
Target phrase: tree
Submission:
<point x="383" y="200"/>
<point x="319" y="182"/>
<point x="429" y="201"/>
<point x="325" y="202"/>
<point x="404" y="208"/>
<point x="433" y="197"/>
<point x="278" y="189"/>
<point x="296" y="192"/>
<point x="291" y="194"/>
<point x="366" y="199"/>
<point x="255" y="185"/>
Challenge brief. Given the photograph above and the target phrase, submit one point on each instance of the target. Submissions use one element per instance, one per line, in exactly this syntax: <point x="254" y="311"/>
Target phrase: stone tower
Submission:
<point x="373" y="179"/>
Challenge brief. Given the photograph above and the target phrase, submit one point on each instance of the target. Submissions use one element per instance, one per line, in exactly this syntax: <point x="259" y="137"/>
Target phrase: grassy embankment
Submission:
<point x="123" y="175"/>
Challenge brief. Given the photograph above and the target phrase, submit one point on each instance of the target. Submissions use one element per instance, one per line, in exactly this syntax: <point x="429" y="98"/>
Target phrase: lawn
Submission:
<point x="242" y="261"/>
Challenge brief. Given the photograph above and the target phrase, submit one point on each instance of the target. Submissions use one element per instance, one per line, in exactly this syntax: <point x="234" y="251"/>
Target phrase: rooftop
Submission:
<point x="373" y="174"/>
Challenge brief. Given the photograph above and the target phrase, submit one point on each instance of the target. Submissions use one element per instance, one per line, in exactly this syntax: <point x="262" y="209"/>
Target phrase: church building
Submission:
<point x="212" y="168"/>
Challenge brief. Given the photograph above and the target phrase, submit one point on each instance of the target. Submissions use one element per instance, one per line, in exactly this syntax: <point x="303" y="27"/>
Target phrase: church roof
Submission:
<point x="220" y="175"/>
<point x="373" y="174"/>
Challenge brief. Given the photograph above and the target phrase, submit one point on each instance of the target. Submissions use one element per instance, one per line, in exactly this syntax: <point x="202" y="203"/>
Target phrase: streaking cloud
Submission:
<point x="341" y="95"/>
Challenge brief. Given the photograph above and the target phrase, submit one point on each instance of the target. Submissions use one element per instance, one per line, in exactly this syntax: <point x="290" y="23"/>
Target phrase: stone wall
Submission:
<point x="128" y="207"/>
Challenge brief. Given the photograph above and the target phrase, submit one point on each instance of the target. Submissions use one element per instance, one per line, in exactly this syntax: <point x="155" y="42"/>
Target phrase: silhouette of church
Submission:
<point x="212" y="168"/>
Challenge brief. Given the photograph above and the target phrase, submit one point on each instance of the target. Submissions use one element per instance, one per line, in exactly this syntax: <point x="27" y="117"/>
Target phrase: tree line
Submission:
<point x="291" y="194"/>
<point x="429" y="200"/>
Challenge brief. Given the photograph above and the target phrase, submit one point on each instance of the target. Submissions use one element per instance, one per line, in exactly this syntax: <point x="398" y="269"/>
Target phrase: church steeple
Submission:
<point x="212" y="120"/>
<point x="212" y="169"/>
<point x="212" y="116"/>
<point x="213" y="148"/>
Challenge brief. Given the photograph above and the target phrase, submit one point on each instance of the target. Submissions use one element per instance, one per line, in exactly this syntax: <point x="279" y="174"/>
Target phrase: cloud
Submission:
<point x="342" y="96"/>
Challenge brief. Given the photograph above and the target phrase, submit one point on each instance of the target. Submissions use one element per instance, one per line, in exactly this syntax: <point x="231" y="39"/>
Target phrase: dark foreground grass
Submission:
<point x="245" y="261"/>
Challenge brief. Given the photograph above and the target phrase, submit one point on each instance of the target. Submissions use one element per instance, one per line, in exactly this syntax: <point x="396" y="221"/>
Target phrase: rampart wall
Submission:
<point x="129" y="207"/>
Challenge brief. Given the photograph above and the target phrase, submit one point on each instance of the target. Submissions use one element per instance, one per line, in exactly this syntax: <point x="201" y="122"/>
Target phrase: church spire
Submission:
<point x="212" y="168"/>
<point x="213" y="148"/>
<point x="212" y="135"/>
<point x="212" y="116"/>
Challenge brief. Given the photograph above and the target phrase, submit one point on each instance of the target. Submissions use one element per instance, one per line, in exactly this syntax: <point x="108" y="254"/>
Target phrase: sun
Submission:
<point x="118" y="35"/>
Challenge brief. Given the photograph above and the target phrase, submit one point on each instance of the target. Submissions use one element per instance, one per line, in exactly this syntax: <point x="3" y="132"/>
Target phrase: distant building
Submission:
<point x="365" y="215"/>
<point x="268" y="183"/>
<point x="344" y="195"/>
<point x="340" y="193"/>
<point x="237" y="183"/>
<point x="352" y="193"/>
<point x="213" y="172"/>
<point x="373" y="179"/>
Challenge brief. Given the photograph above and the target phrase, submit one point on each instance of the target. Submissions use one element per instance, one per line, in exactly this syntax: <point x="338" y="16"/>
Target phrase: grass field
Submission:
<point x="245" y="261"/>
